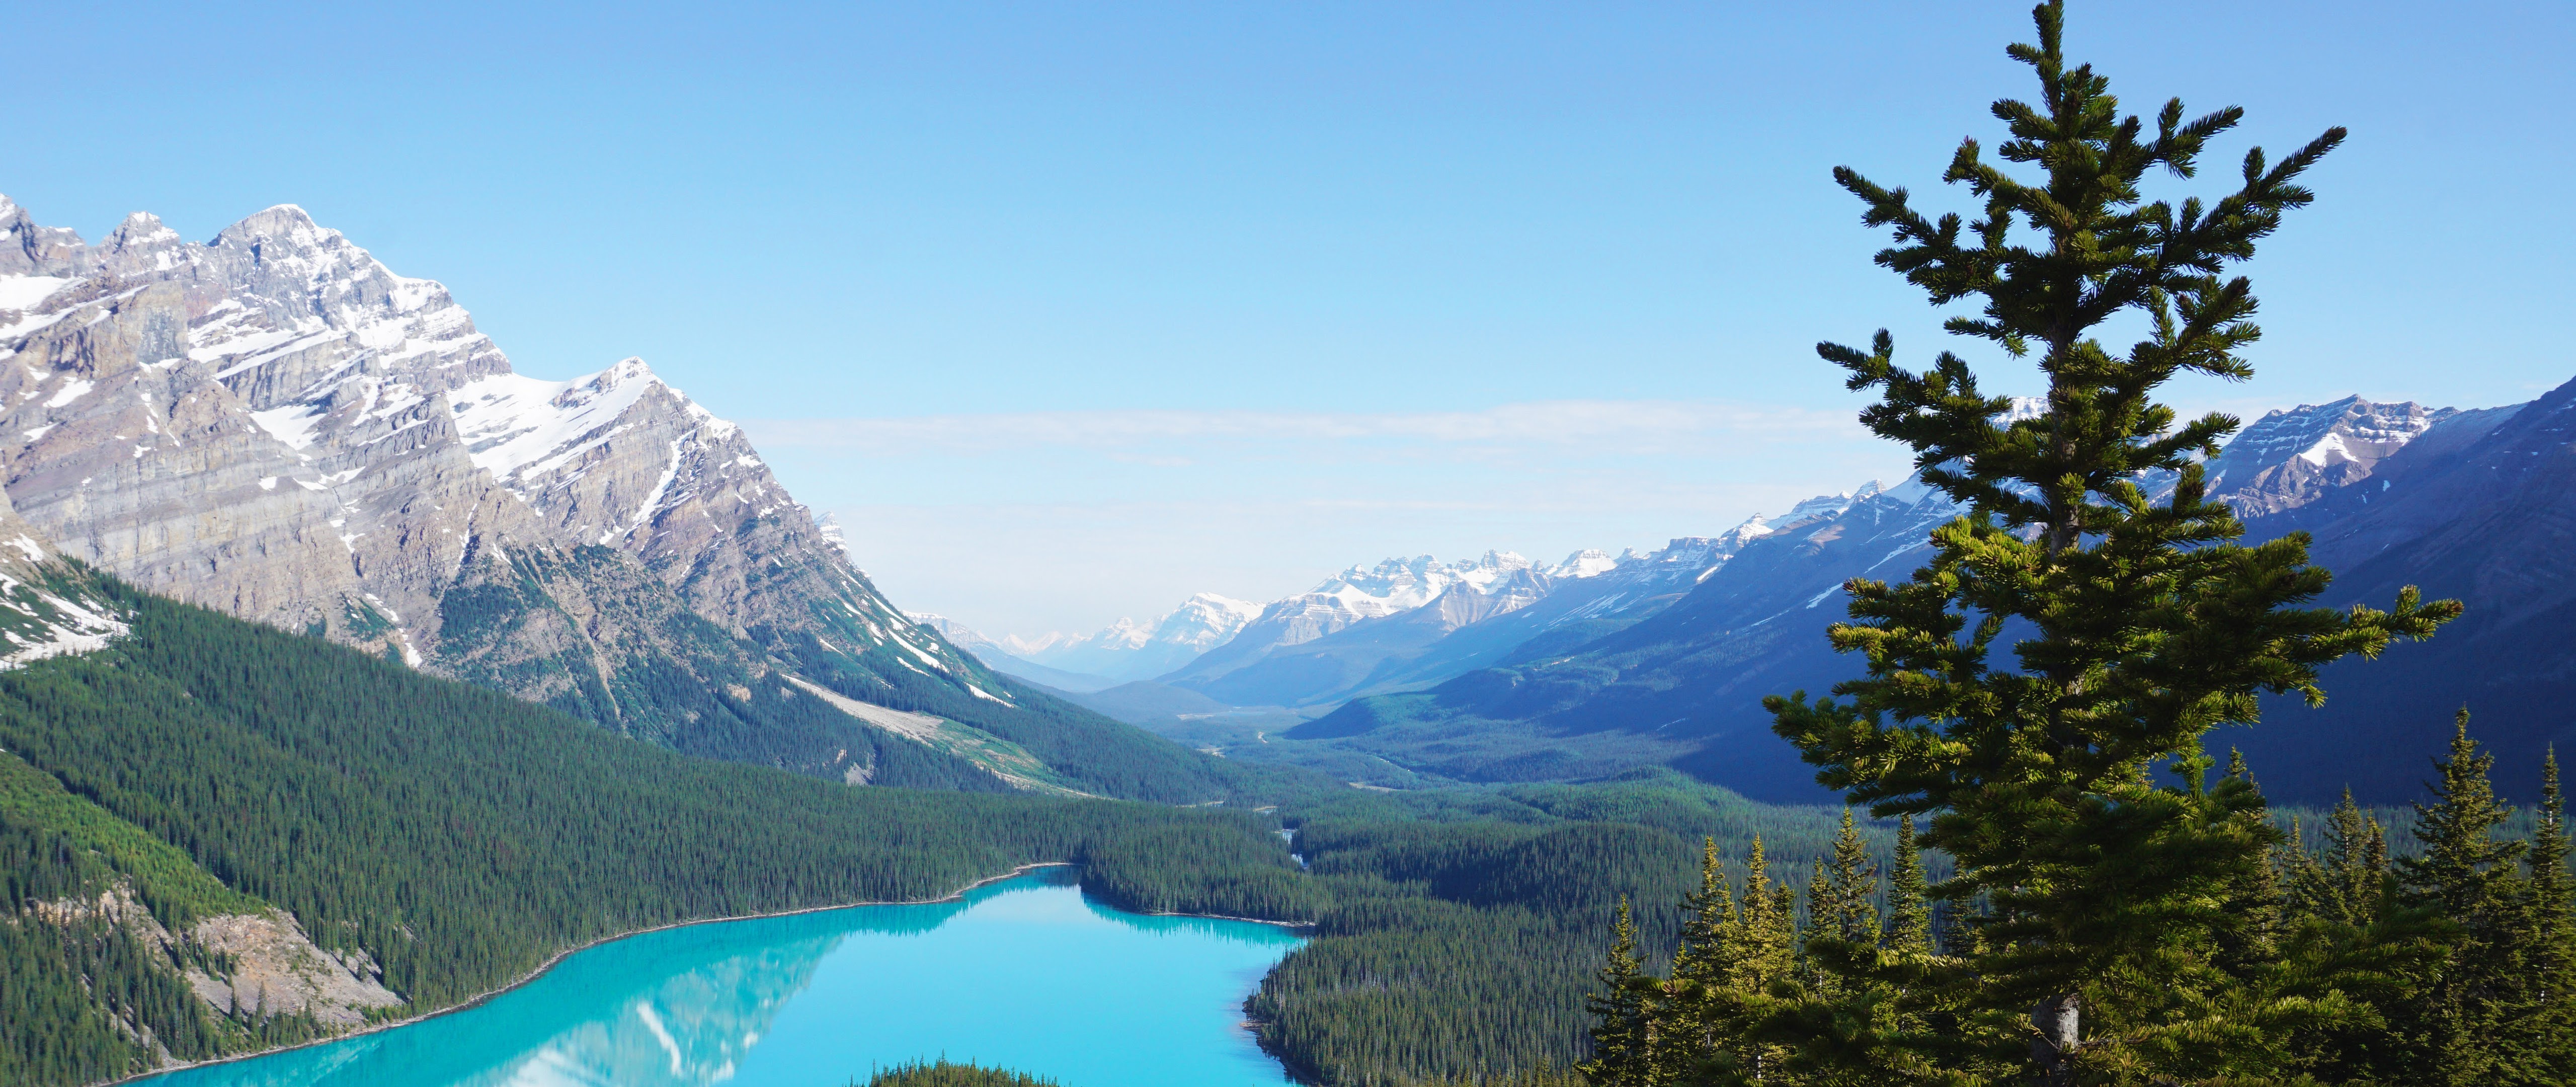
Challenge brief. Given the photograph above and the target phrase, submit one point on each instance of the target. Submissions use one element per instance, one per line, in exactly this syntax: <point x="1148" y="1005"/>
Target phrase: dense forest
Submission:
<point x="1457" y="928"/>
<point x="453" y="836"/>
<point x="2446" y="965"/>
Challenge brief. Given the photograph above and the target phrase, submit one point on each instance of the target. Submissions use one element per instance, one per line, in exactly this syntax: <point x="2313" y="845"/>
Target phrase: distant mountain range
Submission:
<point x="275" y="425"/>
<point x="2472" y="504"/>
<point x="1499" y="669"/>
<point x="1402" y="624"/>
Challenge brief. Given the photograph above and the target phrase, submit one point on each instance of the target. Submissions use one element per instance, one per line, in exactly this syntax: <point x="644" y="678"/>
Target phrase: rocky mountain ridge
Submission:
<point x="1400" y="624"/>
<point x="1128" y="650"/>
<point x="1683" y="685"/>
<point x="274" y="424"/>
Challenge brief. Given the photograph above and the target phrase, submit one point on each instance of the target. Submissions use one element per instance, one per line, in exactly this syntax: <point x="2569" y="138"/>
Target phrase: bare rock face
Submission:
<point x="2293" y="457"/>
<point x="622" y="460"/>
<point x="274" y="424"/>
<point x="277" y="970"/>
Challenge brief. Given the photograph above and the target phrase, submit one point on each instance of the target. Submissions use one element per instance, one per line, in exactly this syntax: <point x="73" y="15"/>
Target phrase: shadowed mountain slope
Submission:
<point x="2474" y="504"/>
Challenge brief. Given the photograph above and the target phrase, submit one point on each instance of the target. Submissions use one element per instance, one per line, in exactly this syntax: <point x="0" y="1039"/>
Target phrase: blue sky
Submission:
<point x="1070" y="310"/>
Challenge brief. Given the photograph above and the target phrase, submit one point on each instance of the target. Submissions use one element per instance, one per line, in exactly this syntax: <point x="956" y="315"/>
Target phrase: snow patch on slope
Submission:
<point x="24" y="292"/>
<point x="518" y="427"/>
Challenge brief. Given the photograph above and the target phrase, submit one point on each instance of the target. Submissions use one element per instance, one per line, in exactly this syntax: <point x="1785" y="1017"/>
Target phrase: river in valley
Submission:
<point x="1025" y="973"/>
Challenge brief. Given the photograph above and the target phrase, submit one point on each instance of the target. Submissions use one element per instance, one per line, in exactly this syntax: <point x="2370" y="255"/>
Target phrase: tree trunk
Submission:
<point x="2059" y="1021"/>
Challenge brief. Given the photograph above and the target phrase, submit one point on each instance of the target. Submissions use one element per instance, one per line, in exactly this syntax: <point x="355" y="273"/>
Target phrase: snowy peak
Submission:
<point x="1823" y="505"/>
<point x="520" y="428"/>
<point x="958" y="634"/>
<point x="142" y="240"/>
<point x="2292" y="457"/>
<point x="29" y="249"/>
<point x="1204" y="621"/>
<point x="372" y="453"/>
<point x="2348" y="430"/>
<point x="1401" y="584"/>
<point x="1583" y="564"/>
<point x="1129" y="650"/>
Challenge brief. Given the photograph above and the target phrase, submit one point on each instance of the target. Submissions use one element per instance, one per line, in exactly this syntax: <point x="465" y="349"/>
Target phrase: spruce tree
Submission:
<point x="2478" y="1022"/>
<point x="1847" y="911"/>
<point x="2553" y="910"/>
<point x="1761" y="958"/>
<point x="1622" y="1034"/>
<point x="2348" y="885"/>
<point x="1695" y="1012"/>
<point x="1909" y="911"/>
<point x="2255" y="908"/>
<point x="2140" y="622"/>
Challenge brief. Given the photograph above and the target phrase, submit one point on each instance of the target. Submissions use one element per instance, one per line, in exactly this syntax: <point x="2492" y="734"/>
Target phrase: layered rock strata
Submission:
<point x="274" y="424"/>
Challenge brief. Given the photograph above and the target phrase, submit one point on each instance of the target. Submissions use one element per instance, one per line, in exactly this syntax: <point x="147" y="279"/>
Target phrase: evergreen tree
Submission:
<point x="2553" y="908"/>
<point x="2478" y="1022"/>
<point x="1707" y="911"/>
<point x="1765" y="945"/>
<point x="2349" y="885"/>
<point x="2250" y="936"/>
<point x="1622" y="1034"/>
<point x="1693" y="1015"/>
<point x="1762" y="952"/>
<point x="1849" y="911"/>
<point x="1909" y="911"/>
<point x="2142" y="623"/>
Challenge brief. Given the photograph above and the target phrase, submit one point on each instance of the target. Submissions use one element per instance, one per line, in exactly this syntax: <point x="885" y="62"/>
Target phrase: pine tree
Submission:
<point x="1909" y="911"/>
<point x="2553" y="947"/>
<point x="1761" y="958"/>
<point x="1847" y="911"/>
<point x="2256" y="907"/>
<point x="1696" y="1006"/>
<point x="2142" y="623"/>
<point x="2477" y="1022"/>
<point x="1706" y="912"/>
<point x="1622" y="1032"/>
<point x="2349" y="885"/>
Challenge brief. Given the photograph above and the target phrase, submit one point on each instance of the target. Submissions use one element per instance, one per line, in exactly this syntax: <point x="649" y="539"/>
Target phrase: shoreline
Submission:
<point x="1293" y="926"/>
<point x="482" y="998"/>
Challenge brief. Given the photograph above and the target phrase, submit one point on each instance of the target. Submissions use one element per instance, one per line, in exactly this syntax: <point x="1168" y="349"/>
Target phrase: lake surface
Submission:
<point x="1025" y="973"/>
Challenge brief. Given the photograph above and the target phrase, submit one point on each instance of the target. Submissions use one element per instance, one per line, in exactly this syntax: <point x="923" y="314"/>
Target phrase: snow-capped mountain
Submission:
<point x="1128" y="650"/>
<point x="2293" y="456"/>
<point x="1684" y="685"/>
<point x="1355" y="595"/>
<point x="274" y="424"/>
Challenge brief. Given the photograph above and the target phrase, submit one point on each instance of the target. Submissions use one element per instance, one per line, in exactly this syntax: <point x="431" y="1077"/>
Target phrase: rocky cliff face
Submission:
<point x="2296" y="456"/>
<point x="274" y="424"/>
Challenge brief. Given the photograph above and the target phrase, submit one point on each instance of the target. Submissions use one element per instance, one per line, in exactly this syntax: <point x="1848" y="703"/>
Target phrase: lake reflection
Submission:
<point x="1025" y="973"/>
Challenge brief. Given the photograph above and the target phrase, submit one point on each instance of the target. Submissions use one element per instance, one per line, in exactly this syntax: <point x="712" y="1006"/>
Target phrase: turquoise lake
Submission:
<point x="1025" y="973"/>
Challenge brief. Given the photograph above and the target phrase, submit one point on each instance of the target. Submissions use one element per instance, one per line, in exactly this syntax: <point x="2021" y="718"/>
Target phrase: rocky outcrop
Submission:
<point x="2296" y="456"/>
<point x="277" y="970"/>
<point x="246" y="965"/>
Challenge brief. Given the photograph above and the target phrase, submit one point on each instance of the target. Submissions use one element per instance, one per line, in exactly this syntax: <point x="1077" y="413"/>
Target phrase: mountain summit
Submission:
<point x="275" y="425"/>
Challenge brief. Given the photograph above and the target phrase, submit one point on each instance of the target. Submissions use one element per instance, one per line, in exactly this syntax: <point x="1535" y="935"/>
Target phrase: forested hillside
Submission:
<point x="440" y="838"/>
<point x="434" y="840"/>
<point x="1458" y="927"/>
